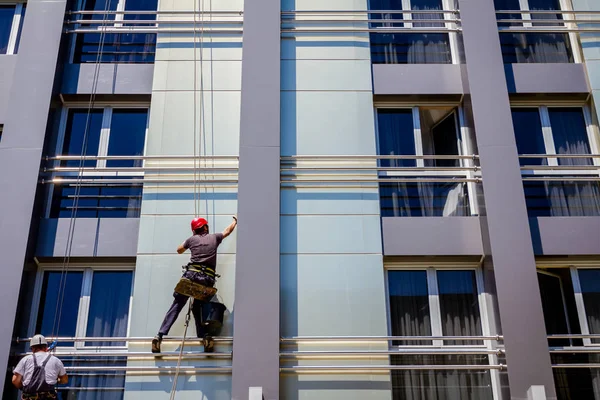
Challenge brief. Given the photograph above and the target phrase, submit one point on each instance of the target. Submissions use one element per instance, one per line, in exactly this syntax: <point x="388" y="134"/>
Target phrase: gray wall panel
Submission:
<point x="417" y="79"/>
<point x="565" y="235"/>
<point x="507" y="227"/>
<point x="106" y="237"/>
<point x="257" y="269"/>
<point x="112" y="78"/>
<point x="21" y="148"/>
<point x="7" y="68"/>
<point x="546" y="78"/>
<point x="445" y="236"/>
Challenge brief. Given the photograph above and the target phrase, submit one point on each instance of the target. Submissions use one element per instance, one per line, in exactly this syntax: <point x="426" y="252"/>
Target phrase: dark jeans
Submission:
<point x="179" y="302"/>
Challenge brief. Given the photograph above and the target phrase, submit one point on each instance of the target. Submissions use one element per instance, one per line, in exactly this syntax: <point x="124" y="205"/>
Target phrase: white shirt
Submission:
<point x="54" y="368"/>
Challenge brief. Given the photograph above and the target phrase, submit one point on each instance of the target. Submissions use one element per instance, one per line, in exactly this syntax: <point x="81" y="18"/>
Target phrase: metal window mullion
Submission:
<point x="547" y="134"/>
<point x="406" y="5"/>
<point x="565" y="5"/>
<point x="592" y="132"/>
<point x="84" y="306"/>
<point x="60" y="142"/>
<point x="453" y="36"/>
<point x="486" y="331"/>
<point x="435" y="313"/>
<point x="465" y="149"/>
<point x="580" y="305"/>
<point x="418" y="137"/>
<point x="35" y="305"/>
<point x="14" y="30"/>
<point x="130" y="308"/>
<point x="104" y="136"/>
<point x="524" y="4"/>
<point x="119" y="16"/>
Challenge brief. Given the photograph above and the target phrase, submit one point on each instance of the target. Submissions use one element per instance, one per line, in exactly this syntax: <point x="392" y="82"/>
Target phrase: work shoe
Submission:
<point x="156" y="344"/>
<point x="209" y="344"/>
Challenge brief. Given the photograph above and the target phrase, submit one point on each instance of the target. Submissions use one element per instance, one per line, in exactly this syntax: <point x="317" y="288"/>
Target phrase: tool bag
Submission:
<point x="196" y="290"/>
<point x="213" y="313"/>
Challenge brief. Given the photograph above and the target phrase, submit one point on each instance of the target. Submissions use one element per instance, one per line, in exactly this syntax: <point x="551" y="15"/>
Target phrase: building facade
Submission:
<point x="417" y="184"/>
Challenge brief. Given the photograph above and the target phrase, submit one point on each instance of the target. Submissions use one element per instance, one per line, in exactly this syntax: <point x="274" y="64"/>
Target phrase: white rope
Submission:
<point x="84" y="145"/>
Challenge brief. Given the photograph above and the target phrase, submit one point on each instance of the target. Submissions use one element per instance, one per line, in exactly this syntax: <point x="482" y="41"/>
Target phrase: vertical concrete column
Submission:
<point x="21" y="149"/>
<point x="256" y="313"/>
<point x="508" y="233"/>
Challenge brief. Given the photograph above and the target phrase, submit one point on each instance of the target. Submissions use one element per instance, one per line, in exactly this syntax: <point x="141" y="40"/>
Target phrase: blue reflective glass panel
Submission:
<point x="590" y="289"/>
<point x="528" y="134"/>
<point x="24" y="9"/>
<point x="109" y="306"/>
<point x="7" y="13"/>
<point x="82" y="136"/>
<point x="570" y="134"/>
<point x="409" y="305"/>
<point x="60" y="292"/>
<point x="127" y="136"/>
<point x="118" y="201"/>
<point x="396" y="136"/>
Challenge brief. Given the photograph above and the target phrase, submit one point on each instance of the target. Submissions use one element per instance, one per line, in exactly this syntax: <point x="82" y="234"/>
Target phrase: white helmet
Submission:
<point x="38" y="340"/>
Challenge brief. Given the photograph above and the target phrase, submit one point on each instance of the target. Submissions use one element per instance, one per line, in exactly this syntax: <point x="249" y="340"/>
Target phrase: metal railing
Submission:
<point x="535" y="21"/>
<point x="577" y="352"/>
<point x="287" y="356"/>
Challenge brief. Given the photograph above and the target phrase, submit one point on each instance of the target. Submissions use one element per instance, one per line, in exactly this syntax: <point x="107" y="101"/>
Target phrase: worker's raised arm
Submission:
<point x="230" y="228"/>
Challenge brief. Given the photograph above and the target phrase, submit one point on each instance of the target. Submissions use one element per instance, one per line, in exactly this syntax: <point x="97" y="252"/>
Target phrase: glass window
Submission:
<point x="529" y="135"/>
<point x="76" y="141"/>
<point x="7" y="13"/>
<point x="590" y="290"/>
<point x="127" y="136"/>
<point x="118" y="201"/>
<point x="410" y="315"/>
<point x="409" y="305"/>
<point x="424" y="199"/>
<point x="533" y="47"/>
<point x="107" y="314"/>
<point x="109" y="306"/>
<point x="118" y="47"/>
<point x="59" y="304"/>
<point x="396" y="136"/>
<point x="459" y="305"/>
<point x="409" y="48"/>
<point x="570" y="134"/>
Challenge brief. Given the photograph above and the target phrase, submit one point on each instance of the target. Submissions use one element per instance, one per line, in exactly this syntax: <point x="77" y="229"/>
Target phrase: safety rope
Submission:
<point x="80" y="170"/>
<point x="177" y="369"/>
<point x="197" y="151"/>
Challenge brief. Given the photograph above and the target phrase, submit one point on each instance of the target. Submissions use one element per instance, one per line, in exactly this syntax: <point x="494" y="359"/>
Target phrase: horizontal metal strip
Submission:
<point x="297" y="339"/>
<point x="227" y="339"/>
<point x="384" y="368"/>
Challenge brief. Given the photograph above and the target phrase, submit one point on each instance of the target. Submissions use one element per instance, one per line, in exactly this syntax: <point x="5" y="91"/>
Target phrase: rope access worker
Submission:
<point x="201" y="269"/>
<point x="37" y="374"/>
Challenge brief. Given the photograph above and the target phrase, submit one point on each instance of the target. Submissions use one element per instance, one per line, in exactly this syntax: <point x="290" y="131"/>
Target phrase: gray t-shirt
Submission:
<point x="54" y="368"/>
<point x="204" y="248"/>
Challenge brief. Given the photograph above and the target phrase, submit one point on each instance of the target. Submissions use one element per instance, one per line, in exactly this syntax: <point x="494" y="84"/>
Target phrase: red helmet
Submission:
<point x="198" y="223"/>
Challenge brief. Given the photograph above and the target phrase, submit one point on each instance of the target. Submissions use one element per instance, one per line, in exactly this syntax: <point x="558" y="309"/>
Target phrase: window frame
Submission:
<point x="15" y="27"/>
<point x="407" y="13"/>
<point x="581" y="312"/>
<point x="84" y="302"/>
<point x="465" y="144"/>
<point x="104" y="140"/>
<point x="565" y="5"/>
<point x="116" y="22"/>
<point x="435" y="310"/>
<point x="549" y="144"/>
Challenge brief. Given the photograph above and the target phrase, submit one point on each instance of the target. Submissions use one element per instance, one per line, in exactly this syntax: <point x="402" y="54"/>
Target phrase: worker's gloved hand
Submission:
<point x="53" y="345"/>
<point x="234" y="217"/>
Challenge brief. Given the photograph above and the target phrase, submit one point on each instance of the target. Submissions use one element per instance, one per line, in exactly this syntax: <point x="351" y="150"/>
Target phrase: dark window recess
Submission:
<point x="82" y="136"/>
<point x="529" y="136"/>
<point x="570" y="134"/>
<point x="536" y="48"/>
<point x="409" y="48"/>
<point x="7" y="13"/>
<point x="64" y="299"/>
<point x="127" y="136"/>
<point x="122" y="47"/>
<point x="109" y="306"/>
<point x="1" y="131"/>
<point x="562" y="199"/>
<point x="396" y="136"/>
<point x="97" y="201"/>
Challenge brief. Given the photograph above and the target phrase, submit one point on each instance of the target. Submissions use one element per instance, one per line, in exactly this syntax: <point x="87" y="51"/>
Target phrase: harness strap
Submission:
<point x="202" y="269"/>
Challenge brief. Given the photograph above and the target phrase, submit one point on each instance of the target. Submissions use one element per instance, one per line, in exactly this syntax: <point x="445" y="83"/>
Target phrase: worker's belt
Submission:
<point x="202" y="269"/>
<point x="40" y="396"/>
